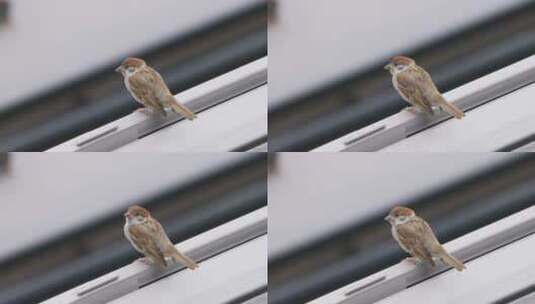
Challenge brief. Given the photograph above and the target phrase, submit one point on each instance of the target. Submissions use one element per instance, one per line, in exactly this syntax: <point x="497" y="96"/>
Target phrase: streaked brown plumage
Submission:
<point x="416" y="237"/>
<point x="147" y="87"/>
<point x="416" y="87"/>
<point x="148" y="237"/>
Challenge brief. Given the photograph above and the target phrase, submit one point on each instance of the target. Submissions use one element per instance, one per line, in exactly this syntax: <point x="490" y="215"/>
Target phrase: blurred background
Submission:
<point x="63" y="212"/>
<point x="58" y="58"/>
<point x="326" y="75"/>
<point x="326" y="210"/>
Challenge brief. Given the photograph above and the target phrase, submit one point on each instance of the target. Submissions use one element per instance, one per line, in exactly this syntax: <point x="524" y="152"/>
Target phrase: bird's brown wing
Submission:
<point x="431" y="243"/>
<point x="170" y="251"/>
<point x="143" y="237"/>
<point x="149" y="86"/>
<point x="410" y="235"/>
<point x="410" y="84"/>
<point x="434" y="97"/>
<point x="164" y="244"/>
<point x="156" y="81"/>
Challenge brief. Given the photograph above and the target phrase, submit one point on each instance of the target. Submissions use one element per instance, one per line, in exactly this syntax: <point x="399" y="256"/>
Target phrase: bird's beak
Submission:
<point x="388" y="66"/>
<point x="388" y="218"/>
<point x="119" y="69"/>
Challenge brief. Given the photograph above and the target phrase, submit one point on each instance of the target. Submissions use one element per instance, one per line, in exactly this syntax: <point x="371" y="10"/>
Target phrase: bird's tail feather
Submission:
<point x="185" y="260"/>
<point x="181" y="109"/>
<point x="452" y="261"/>
<point x="451" y="108"/>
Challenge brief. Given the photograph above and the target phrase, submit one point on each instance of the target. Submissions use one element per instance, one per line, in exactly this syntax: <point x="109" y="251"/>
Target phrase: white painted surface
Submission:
<point x="48" y="193"/>
<point x="244" y="237"/>
<point x="502" y="98"/>
<point x="480" y="284"/>
<point x="489" y="127"/>
<point x="234" y="113"/>
<point x="326" y="191"/>
<point x="222" y="128"/>
<point x="50" y="42"/>
<point x="218" y="280"/>
<point x="487" y="279"/>
<point x="315" y="42"/>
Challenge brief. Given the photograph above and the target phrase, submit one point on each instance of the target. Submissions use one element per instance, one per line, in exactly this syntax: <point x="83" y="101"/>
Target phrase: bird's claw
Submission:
<point x="144" y="111"/>
<point x="412" y="260"/>
<point x="413" y="110"/>
<point x="145" y="261"/>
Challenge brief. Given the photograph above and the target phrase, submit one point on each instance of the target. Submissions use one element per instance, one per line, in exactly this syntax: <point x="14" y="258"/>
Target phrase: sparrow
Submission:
<point x="149" y="89"/>
<point x="416" y="87"/>
<point x="148" y="237"/>
<point x="416" y="237"/>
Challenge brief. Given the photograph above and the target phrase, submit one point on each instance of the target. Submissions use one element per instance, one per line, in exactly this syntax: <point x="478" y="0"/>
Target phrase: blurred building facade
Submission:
<point x="69" y="51"/>
<point x="341" y="199"/>
<point x="66" y="210"/>
<point x="327" y="78"/>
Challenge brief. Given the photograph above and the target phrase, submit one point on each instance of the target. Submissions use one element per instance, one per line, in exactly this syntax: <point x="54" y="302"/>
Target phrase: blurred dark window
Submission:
<point x="3" y="162"/>
<point x="272" y="10"/>
<point x="4" y="8"/>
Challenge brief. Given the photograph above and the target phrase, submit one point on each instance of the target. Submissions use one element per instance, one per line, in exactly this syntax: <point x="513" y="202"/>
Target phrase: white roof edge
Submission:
<point x="400" y="276"/>
<point x="135" y="125"/>
<point x="129" y="278"/>
<point x="403" y="124"/>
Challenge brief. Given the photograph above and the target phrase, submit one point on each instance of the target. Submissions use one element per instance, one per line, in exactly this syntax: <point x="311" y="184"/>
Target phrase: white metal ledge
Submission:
<point x="207" y="97"/>
<point x="488" y="126"/>
<point x="208" y="248"/>
<point x="471" y="248"/>
<point x="229" y="277"/>
<point x="238" y="124"/>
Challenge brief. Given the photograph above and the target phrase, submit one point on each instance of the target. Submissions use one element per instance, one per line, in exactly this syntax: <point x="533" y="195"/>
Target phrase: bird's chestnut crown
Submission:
<point x="130" y="65"/>
<point x="398" y="64"/>
<point x="402" y="61"/>
<point x="399" y="214"/>
<point x="137" y="212"/>
<point x="401" y="211"/>
<point x="133" y="62"/>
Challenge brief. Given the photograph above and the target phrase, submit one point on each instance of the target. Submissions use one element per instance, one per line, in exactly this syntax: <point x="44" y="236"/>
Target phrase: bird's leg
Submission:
<point x="145" y="111"/>
<point x="170" y="261"/>
<point x="413" y="109"/>
<point x="145" y="260"/>
<point x="412" y="260"/>
<point x="166" y="111"/>
<point x="435" y="259"/>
